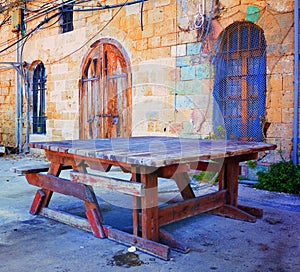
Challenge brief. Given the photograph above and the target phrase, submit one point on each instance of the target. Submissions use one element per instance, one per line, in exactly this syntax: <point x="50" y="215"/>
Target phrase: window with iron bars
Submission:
<point x="240" y="81"/>
<point x="38" y="100"/>
<point x="66" y="20"/>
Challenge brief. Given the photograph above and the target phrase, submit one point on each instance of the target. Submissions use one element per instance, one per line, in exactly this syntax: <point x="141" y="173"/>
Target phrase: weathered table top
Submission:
<point x="154" y="151"/>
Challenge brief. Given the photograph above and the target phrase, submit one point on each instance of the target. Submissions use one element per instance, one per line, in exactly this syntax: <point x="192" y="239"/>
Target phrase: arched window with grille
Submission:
<point x="240" y="81"/>
<point x="39" y="99"/>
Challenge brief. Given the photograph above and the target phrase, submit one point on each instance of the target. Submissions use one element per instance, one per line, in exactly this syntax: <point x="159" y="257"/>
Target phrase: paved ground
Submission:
<point x="33" y="243"/>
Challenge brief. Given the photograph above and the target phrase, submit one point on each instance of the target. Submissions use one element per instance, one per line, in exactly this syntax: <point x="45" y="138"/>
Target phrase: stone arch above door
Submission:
<point x="105" y="91"/>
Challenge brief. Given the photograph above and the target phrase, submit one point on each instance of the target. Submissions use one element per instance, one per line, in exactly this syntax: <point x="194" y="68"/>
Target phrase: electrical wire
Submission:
<point x="47" y="11"/>
<point x="208" y="25"/>
<point x="5" y="20"/>
<point x="141" y="19"/>
<point x="55" y="22"/>
<point x="95" y="35"/>
<point x="46" y="20"/>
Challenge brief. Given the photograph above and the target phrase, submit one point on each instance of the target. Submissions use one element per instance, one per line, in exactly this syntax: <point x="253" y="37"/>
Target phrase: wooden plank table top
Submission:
<point x="146" y="158"/>
<point x="154" y="151"/>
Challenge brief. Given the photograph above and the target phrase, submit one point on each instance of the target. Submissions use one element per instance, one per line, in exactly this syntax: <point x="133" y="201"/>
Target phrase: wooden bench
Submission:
<point x="26" y="169"/>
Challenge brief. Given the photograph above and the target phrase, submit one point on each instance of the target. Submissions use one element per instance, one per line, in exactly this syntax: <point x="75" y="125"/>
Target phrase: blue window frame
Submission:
<point x="39" y="100"/>
<point x="66" y="20"/>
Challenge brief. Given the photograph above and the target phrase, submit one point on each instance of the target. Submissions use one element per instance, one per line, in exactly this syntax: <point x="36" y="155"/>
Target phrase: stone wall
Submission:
<point x="172" y="68"/>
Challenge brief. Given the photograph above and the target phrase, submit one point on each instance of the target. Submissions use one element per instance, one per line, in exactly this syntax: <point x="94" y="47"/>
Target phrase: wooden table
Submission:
<point x="147" y="159"/>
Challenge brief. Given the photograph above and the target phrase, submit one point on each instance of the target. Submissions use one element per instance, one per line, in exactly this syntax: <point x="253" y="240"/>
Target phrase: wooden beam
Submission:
<point x="22" y="170"/>
<point x="115" y="184"/>
<point x="257" y="212"/>
<point x="191" y="207"/>
<point x="168" y="239"/>
<point x="59" y="185"/>
<point x="66" y="218"/>
<point x="234" y="213"/>
<point x="170" y="170"/>
<point x="148" y="246"/>
<point x="153" y="248"/>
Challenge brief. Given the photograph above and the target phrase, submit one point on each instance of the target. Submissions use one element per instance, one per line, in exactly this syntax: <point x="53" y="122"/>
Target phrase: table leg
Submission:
<point x="136" y="203"/>
<point x="231" y="182"/>
<point x="149" y="205"/>
<point x="231" y="209"/>
<point x="183" y="182"/>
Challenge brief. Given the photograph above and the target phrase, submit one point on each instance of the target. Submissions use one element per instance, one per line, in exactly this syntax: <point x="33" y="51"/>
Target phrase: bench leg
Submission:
<point x="49" y="184"/>
<point x="93" y="214"/>
<point x="41" y="199"/>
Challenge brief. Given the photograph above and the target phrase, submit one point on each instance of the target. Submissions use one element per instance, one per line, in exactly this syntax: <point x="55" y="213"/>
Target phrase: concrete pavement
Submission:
<point x="34" y="243"/>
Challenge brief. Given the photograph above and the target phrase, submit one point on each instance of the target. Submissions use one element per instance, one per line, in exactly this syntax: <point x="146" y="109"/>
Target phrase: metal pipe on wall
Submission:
<point x="27" y="109"/>
<point x="17" y="98"/>
<point x="21" y="117"/>
<point x="296" y="83"/>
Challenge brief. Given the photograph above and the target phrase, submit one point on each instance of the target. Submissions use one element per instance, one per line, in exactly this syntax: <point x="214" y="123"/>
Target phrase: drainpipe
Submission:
<point x="17" y="102"/>
<point x="21" y="117"/>
<point x="27" y="109"/>
<point x="296" y="82"/>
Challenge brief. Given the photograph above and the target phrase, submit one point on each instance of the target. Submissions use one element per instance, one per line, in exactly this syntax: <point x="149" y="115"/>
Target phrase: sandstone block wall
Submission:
<point x="172" y="72"/>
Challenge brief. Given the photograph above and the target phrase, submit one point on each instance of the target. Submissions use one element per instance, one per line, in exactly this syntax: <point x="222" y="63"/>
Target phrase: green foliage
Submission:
<point x="206" y="176"/>
<point x="251" y="164"/>
<point x="283" y="176"/>
<point x="220" y="134"/>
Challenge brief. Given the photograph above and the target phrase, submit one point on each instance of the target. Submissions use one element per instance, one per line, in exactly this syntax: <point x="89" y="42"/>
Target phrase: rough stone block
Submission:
<point x="203" y="71"/>
<point x="156" y="15"/>
<point x="275" y="82"/>
<point x="193" y="48"/>
<point x="187" y="73"/>
<point x="169" y="39"/>
<point x="160" y="3"/>
<point x="178" y="50"/>
<point x="175" y="128"/>
<point x="184" y="102"/>
<point x="274" y="115"/>
<point x="154" y="42"/>
<point x="165" y="27"/>
<point x="183" y="61"/>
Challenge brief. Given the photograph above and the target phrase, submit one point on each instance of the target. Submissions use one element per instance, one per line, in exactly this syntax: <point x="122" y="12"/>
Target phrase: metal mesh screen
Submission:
<point x="240" y="82"/>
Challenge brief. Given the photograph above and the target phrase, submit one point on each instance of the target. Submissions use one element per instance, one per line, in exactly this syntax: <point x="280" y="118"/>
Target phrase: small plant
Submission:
<point x="251" y="164"/>
<point x="221" y="132"/>
<point x="283" y="176"/>
<point x="206" y="176"/>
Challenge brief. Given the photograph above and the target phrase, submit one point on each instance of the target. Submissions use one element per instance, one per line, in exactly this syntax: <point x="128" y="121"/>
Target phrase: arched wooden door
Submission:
<point x="105" y="92"/>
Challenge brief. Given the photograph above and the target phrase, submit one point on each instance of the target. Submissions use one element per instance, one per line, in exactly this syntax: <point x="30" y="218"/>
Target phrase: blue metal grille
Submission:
<point x="240" y="82"/>
<point x="38" y="100"/>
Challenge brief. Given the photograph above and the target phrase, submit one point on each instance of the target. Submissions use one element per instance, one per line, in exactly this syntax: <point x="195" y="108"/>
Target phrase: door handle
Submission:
<point x="105" y="115"/>
<point x="91" y="119"/>
<point x="115" y="120"/>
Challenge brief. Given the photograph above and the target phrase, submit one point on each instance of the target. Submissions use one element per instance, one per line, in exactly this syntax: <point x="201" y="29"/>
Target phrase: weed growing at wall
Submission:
<point x="283" y="176"/>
